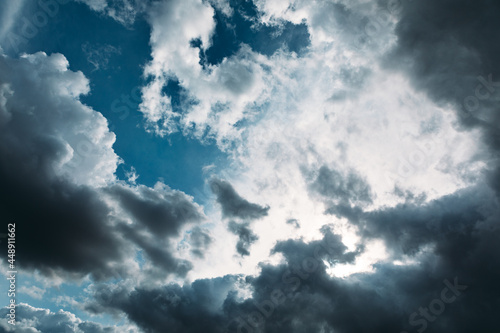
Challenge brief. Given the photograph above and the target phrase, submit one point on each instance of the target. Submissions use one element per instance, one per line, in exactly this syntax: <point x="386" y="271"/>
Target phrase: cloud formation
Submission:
<point x="233" y="205"/>
<point x="377" y="130"/>
<point x="463" y="255"/>
<point x="58" y="170"/>
<point x="451" y="57"/>
<point x="31" y="319"/>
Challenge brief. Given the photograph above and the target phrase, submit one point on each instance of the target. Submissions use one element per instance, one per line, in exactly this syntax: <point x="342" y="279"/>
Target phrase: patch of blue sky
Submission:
<point x="241" y="27"/>
<point x="112" y="57"/>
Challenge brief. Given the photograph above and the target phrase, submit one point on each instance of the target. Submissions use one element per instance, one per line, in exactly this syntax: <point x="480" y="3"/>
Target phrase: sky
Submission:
<point x="247" y="166"/>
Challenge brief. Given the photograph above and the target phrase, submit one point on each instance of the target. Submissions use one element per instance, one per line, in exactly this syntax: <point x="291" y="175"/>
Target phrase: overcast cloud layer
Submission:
<point x="360" y="187"/>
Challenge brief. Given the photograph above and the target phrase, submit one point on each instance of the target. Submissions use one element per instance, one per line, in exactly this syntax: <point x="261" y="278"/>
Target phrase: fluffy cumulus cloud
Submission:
<point x="35" y="320"/>
<point x="58" y="174"/>
<point x="221" y="90"/>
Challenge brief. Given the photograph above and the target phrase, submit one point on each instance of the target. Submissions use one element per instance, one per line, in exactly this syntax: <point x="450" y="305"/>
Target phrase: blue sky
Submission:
<point x="76" y="31"/>
<point x="251" y="165"/>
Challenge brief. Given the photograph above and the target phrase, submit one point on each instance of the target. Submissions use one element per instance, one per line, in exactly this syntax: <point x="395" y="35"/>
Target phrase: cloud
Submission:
<point x="32" y="291"/>
<point x="161" y="210"/>
<point x="410" y="228"/>
<point x="100" y="55"/>
<point x="350" y="188"/>
<point x="246" y="237"/>
<point x="191" y="308"/>
<point x="220" y="95"/>
<point x="48" y="186"/>
<point x="357" y="140"/>
<point x="304" y="130"/>
<point x="293" y="222"/>
<point x="454" y="62"/>
<point x="31" y="319"/>
<point x="58" y="168"/>
<point x="199" y="239"/>
<point x="10" y="11"/>
<point x="232" y="204"/>
<point x="388" y="299"/>
<point x="123" y="11"/>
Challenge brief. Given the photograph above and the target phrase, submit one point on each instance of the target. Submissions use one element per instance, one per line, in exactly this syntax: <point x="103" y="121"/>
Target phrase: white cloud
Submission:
<point x="44" y="89"/>
<point x="97" y="5"/>
<point x="123" y="11"/>
<point x="33" y="320"/>
<point x="32" y="291"/>
<point x="335" y="106"/>
<point x="220" y="95"/>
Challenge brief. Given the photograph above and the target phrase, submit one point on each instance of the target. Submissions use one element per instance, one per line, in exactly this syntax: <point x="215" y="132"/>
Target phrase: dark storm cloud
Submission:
<point x="63" y="226"/>
<point x="456" y="234"/>
<point x="246" y="237"/>
<point x="163" y="212"/>
<point x="158" y="250"/>
<point x="70" y="229"/>
<point x="232" y="204"/>
<point x="454" y="288"/>
<point x="191" y="308"/>
<point x="29" y="318"/>
<point x="211" y="305"/>
<point x="350" y="188"/>
<point x="450" y="50"/>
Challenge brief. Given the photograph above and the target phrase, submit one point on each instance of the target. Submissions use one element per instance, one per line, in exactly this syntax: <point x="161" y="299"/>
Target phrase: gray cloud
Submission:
<point x="192" y="308"/>
<point x="200" y="240"/>
<point x="232" y="204"/>
<point x="293" y="222"/>
<point x="449" y="49"/>
<point x="246" y="237"/>
<point x="299" y="296"/>
<point x="64" y="226"/>
<point x="350" y="188"/>
<point x="123" y="11"/>
<point x="453" y="236"/>
<point x="162" y="211"/>
<point x="58" y="185"/>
